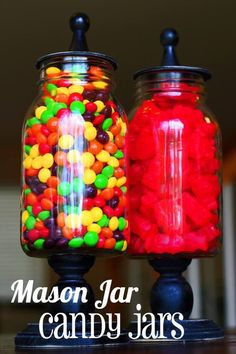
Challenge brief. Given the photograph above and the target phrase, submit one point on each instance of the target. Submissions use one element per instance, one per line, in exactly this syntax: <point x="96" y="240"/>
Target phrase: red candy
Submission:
<point x="174" y="176"/>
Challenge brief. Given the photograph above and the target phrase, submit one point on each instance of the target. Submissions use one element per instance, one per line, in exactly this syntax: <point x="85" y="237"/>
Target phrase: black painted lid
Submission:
<point x="169" y="39"/>
<point x="79" y="24"/>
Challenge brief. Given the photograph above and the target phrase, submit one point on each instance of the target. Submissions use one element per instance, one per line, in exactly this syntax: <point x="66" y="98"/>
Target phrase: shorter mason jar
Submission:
<point x="74" y="160"/>
<point x="175" y="166"/>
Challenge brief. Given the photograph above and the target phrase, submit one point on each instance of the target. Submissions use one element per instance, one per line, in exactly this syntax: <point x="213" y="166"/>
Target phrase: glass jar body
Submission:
<point x="175" y="170"/>
<point x="74" y="163"/>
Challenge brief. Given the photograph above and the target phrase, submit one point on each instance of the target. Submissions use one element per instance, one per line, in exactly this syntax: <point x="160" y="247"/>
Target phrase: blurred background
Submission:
<point x="128" y="31"/>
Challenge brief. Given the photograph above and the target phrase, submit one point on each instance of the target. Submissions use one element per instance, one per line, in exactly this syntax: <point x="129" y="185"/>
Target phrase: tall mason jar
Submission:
<point x="74" y="179"/>
<point x="175" y="165"/>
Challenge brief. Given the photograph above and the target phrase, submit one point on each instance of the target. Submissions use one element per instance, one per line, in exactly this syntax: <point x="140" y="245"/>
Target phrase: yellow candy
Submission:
<point x="124" y="246"/>
<point x="37" y="163"/>
<point x="99" y="84"/>
<point x="89" y="176"/>
<point x="73" y="156"/>
<point x="96" y="213"/>
<point x="24" y="216"/>
<point x="111" y="136"/>
<point x="39" y="110"/>
<point x="47" y="160"/>
<point x="86" y="218"/>
<point x="113" y="161"/>
<point x="100" y="105"/>
<point x="85" y="101"/>
<point x="73" y="221"/>
<point x="121" y="181"/>
<point x="112" y="182"/>
<point x="87" y="159"/>
<point x="66" y="141"/>
<point x="87" y="125"/>
<point x="90" y="133"/>
<point x="76" y="88"/>
<point x="113" y="223"/>
<point x="52" y="70"/>
<point x="34" y="151"/>
<point x="94" y="227"/>
<point x="103" y="156"/>
<point x="63" y="90"/>
<point x="27" y="163"/>
<point x="44" y="175"/>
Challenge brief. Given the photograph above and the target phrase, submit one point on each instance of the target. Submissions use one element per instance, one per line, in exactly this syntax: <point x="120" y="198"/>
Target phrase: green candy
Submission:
<point x="101" y="181"/>
<point x="52" y="89"/>
<point x="91" y="238"/>
<point x="29" y="209"/>
<point x="104" y="221"/>
<point x="107" y="124"/>
<point x="57" y="106"/>
<point x="30" y="222"/>
<point x="124" y="189"/>
<point x="76" y="242"/>
<point x="119" y="154"/>
<point x="71" y="209"/>
<point x="38" y="244"/>
<point x="63" y="189"/>
<point x="43" y="215"/>
<point x="27" y="191"/>
<point x="48" y="101"/>
<point x="119" y="245"/>
<point x="25" y="248"/>
<point x="33" y="121"/>
<point x="122" y="223"/>
<point x="77" y="107"/>
<point x="77" y="184"/>
<point x="45" y="116"/>
<point x="27" y="149"/>
<point x="108" y="171"/>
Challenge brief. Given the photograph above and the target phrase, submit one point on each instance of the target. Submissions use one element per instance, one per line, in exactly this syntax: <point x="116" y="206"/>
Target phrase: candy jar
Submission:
<point x="74" y="165"/>
<point x="175" y="180"/>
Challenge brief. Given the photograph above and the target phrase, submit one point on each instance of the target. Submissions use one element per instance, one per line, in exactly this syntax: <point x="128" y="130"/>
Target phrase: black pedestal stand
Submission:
<point x="171" y="293"/>
<point x="71" y="269"/>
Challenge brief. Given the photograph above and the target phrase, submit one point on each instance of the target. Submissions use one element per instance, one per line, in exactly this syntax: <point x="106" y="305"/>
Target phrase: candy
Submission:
<point x="72" y="166"/>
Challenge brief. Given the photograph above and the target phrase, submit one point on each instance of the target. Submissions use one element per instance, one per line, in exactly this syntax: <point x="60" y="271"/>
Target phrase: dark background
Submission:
<point x="128" y="31"/>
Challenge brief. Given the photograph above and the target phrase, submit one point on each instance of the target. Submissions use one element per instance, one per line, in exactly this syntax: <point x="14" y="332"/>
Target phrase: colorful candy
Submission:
<point x="74" y="149"/>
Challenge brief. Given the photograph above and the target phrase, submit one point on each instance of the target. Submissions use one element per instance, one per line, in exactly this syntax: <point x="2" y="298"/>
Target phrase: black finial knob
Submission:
<point x="169" y="39"/>
<point x="79" y="24"/>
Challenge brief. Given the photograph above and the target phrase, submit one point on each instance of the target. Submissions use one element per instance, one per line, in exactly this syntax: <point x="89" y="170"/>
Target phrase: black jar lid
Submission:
<point x="169" y="39"/>
<point x="79" y="24"/>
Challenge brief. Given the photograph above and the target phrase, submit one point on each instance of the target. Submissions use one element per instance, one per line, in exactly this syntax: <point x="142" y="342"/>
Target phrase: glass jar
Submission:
<point x="175" y="166"/>
<point x="74" y="160"/>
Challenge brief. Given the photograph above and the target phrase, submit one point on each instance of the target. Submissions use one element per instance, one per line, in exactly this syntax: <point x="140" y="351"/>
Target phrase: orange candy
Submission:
<point x="53" y="182"/>
<point x="115" y="129"/>
<point x="31" y="199"/>
<point x="39" y="225"/>
<point x="106" y="232"/>
<point x="52" y="124"/>
<point x="50" y="193"/>
<point x="111" y="148"/>
<point x="46" y="204"/>
<point x="95" y="147"/>
<point x="61" y="219"/>
<point x="119" y="172"/>
<point x="60" y="158"/>
<point x="123" y="201"/>
<point x="62" y="98"/>
<point x="36" y="128"/>
<point x="97" y="167"/>
<point x="122" y="162"/>
<point x="110" y="243"/>
<point x="41" y="138"/>
<point x="119" y="140"/>
<point x="52" y="139"/>
<point x="31" y="172"/>
<point x="107" y="193"/>
<point x="67" y="233"/>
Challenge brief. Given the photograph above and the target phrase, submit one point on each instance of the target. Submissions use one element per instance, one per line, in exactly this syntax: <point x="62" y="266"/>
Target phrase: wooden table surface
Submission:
<point x="227" y="346"/>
